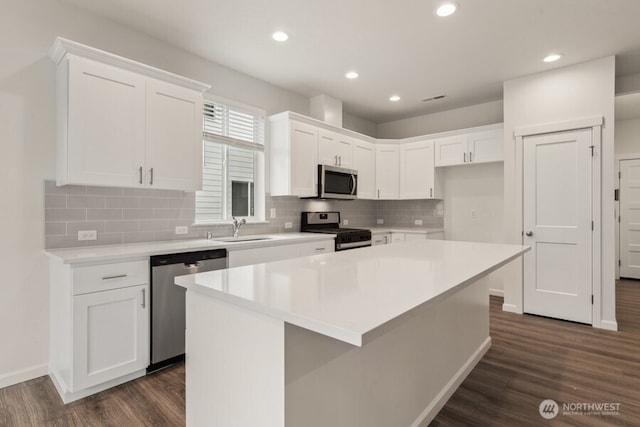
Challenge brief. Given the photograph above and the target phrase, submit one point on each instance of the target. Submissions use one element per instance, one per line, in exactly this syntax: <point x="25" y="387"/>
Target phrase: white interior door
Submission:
<point x="630" y="218"/>
<point x="558" y="225"/>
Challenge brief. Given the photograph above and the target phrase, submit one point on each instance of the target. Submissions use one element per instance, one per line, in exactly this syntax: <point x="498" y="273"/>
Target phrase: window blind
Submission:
<point x="233" y="126"/>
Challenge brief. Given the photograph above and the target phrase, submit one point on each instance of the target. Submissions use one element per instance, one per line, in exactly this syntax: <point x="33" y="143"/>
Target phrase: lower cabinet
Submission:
<point x="380" y="239"/>
<point x="110" y="335"/>
<point x="276" y="253"/>
<point x="401" y="237"/>
<point x="99" y="326"/>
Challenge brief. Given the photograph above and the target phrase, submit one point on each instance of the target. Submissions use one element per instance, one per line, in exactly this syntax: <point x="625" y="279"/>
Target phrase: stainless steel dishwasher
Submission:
<point x="168" y="301"/>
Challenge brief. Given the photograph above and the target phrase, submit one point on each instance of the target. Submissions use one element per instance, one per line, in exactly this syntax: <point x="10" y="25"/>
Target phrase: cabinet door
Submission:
<point x="364" y="161"/>
<point x="105" y="126"/>
<point x="388" y="171"/>
<point x="439" y="235"/>
<point x="380" y="239"/>
<point x="397" y="237"/>
<point x="304" y="159"/>
<point x="415" y="236"/>
<point x="260" y="255"/>
<point x="334" y="149"/>
<point x="451" y="151"/>
<point x="486" y="146"/>
<point x="110" y="335"/>
<point x="174" y="137"/>
<point x="417" y="180"/>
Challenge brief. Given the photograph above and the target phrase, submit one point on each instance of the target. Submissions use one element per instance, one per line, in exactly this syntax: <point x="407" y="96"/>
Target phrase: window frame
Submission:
<point x="259" y="177"/>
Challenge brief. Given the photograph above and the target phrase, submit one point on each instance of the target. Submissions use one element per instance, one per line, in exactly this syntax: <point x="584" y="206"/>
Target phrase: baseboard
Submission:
<point x="68" y="397"/>
<point x="23" y="375"/>
<point x="496" y="292"/>
<point x="610" y="325"/>
<point x="511" y="308"/>
<point x="441" y="399"/>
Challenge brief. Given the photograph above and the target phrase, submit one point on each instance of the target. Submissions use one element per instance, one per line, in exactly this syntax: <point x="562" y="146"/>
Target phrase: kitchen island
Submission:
<point x="379" y="336"/>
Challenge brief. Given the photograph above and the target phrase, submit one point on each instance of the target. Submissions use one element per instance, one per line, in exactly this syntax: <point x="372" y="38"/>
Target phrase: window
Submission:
<point x="233" y="163"/>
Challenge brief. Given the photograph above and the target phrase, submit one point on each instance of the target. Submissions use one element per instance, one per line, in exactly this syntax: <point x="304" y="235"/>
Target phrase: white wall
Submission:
<point x="27" y="128"/>
<point x="360" y="125"/>
<point x="562" y="94"/>
<point x="477" y="187"/>
<point x="459" y="118"/>
<point x="627" y="137"/>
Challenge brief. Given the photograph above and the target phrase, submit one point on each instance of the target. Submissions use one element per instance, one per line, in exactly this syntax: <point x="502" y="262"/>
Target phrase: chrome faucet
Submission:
<point x="237" y="224"/>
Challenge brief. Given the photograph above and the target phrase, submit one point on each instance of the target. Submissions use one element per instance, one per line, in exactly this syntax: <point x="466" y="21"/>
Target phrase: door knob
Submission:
<point x="529" y="233"/>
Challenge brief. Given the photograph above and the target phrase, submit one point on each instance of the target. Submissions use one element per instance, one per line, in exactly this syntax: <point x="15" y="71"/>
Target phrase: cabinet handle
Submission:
<point x="151" y="176"/>
<point x="335" y="160"/>
<point x="464" y="157"/>
<point x="431" y="192"/>
<point x="140" y="170"/>
<point x="319" y="249"/>
<point x="339" y="160"/>
<point x="385" y="240"/>
<point x="144" y="298"/>
<point x="378" y="194"/>
<point x="117" y="276"/>
<point x="470" y="156"/>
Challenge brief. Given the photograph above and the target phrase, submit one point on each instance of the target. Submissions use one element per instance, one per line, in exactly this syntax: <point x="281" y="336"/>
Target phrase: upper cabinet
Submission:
<point x="473" y="147"/>
<point x="294" y="157"/>
<point x="388" y="171"/>
<point x="417" y="171"/>
<point x="363" y="154"/>
<point x="122" y="123"/>
<point x="334" y="149"/>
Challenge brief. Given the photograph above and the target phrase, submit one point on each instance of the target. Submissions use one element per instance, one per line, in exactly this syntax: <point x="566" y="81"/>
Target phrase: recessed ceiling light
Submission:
<point x="394" y="98"/>
<point x="351" y="75"/>
<point x="446" y="9"/>
<point x="552" y="57"/>
<point x="280" y="36"/>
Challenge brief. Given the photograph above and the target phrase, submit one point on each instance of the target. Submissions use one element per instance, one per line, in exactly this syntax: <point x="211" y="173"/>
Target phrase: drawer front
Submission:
<point x="313" y="248"/>
<point x="96" y="278"/>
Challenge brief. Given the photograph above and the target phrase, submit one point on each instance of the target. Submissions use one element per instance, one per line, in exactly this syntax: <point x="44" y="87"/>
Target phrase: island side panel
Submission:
<point x="234" y="365"/>
<point x="402" y="377"/>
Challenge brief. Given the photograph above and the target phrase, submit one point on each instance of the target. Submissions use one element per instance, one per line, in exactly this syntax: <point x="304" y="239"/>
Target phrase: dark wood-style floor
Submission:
<point x="531" y="359"/>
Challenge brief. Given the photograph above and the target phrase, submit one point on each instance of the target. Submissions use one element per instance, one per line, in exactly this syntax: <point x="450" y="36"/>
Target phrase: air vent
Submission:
<point x="433" y="98"/>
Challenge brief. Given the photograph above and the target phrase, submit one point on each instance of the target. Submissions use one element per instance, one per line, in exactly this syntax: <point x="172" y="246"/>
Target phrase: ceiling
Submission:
<point x="398" y="47"/>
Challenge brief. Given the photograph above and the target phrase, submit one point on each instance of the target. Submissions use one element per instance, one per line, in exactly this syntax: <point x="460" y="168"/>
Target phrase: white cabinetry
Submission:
<point x="388" y="171"/>
<point x="99" y="326"/>
<point x="475" y="147"/>
<point x="238" y="258"/>
<point x="122" y="123"/>
<point x="380" y="239"/>
<point x="401" y="237"/>
<point x="334" y="149"/>
<point x="364" y="161"/>
<point x="417" y="171"/>
<point x="294" y="158"/>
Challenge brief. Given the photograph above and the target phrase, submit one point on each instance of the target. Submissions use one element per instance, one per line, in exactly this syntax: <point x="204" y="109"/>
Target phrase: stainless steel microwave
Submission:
<point x="337" y="183"/>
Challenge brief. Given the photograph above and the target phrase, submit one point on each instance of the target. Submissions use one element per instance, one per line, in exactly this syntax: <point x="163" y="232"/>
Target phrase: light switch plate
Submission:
<point x="272" y="213"/>
<point x="379" y="221"/>
<point x="418" y="222"/>
<point x="182" y="229"/>
<point x="87" y="235"/>
<point x="345" y="222"/>
<point x="474" y="213"/>
<point x="288" y="225"/>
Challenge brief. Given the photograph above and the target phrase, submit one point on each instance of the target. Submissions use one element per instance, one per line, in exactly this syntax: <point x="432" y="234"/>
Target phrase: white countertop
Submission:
<point x="382" y="230"/>
<point x="134" y="251"/>
<point x="348" y="294"/>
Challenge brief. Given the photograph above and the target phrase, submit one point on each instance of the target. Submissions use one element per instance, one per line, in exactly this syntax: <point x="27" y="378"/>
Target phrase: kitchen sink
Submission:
<point x="241" y="239"/>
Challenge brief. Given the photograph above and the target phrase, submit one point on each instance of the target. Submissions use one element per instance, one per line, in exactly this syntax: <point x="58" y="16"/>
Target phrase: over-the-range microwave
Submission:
<point x="337" y="183"/>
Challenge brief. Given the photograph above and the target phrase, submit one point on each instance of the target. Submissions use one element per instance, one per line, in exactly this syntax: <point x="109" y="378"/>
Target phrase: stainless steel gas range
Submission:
<point x="329" y="223"/>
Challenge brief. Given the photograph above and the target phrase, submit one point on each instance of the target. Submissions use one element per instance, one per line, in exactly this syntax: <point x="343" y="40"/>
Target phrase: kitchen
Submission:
<point x="28" y="105"/>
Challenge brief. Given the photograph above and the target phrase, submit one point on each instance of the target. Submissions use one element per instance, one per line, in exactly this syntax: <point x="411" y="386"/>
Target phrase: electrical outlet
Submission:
<point x="474" y="213"/>
<point x="345" y="222"/>
<point x="418" y="222"/>
<point x="379" y="221"/>
<point x="182" y="229"/>
<point x="87" y="235"/>
<point x="272" y="214"/>
<point x="288" y="225"/>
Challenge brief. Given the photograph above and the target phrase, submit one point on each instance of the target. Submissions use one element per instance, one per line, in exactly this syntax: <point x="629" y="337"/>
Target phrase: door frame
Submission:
<point x="618" y="158"/>
<point x="595" y="124"/>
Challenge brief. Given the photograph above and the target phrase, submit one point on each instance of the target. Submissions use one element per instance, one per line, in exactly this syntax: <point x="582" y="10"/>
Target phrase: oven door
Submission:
<point x="337" y="183"/>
